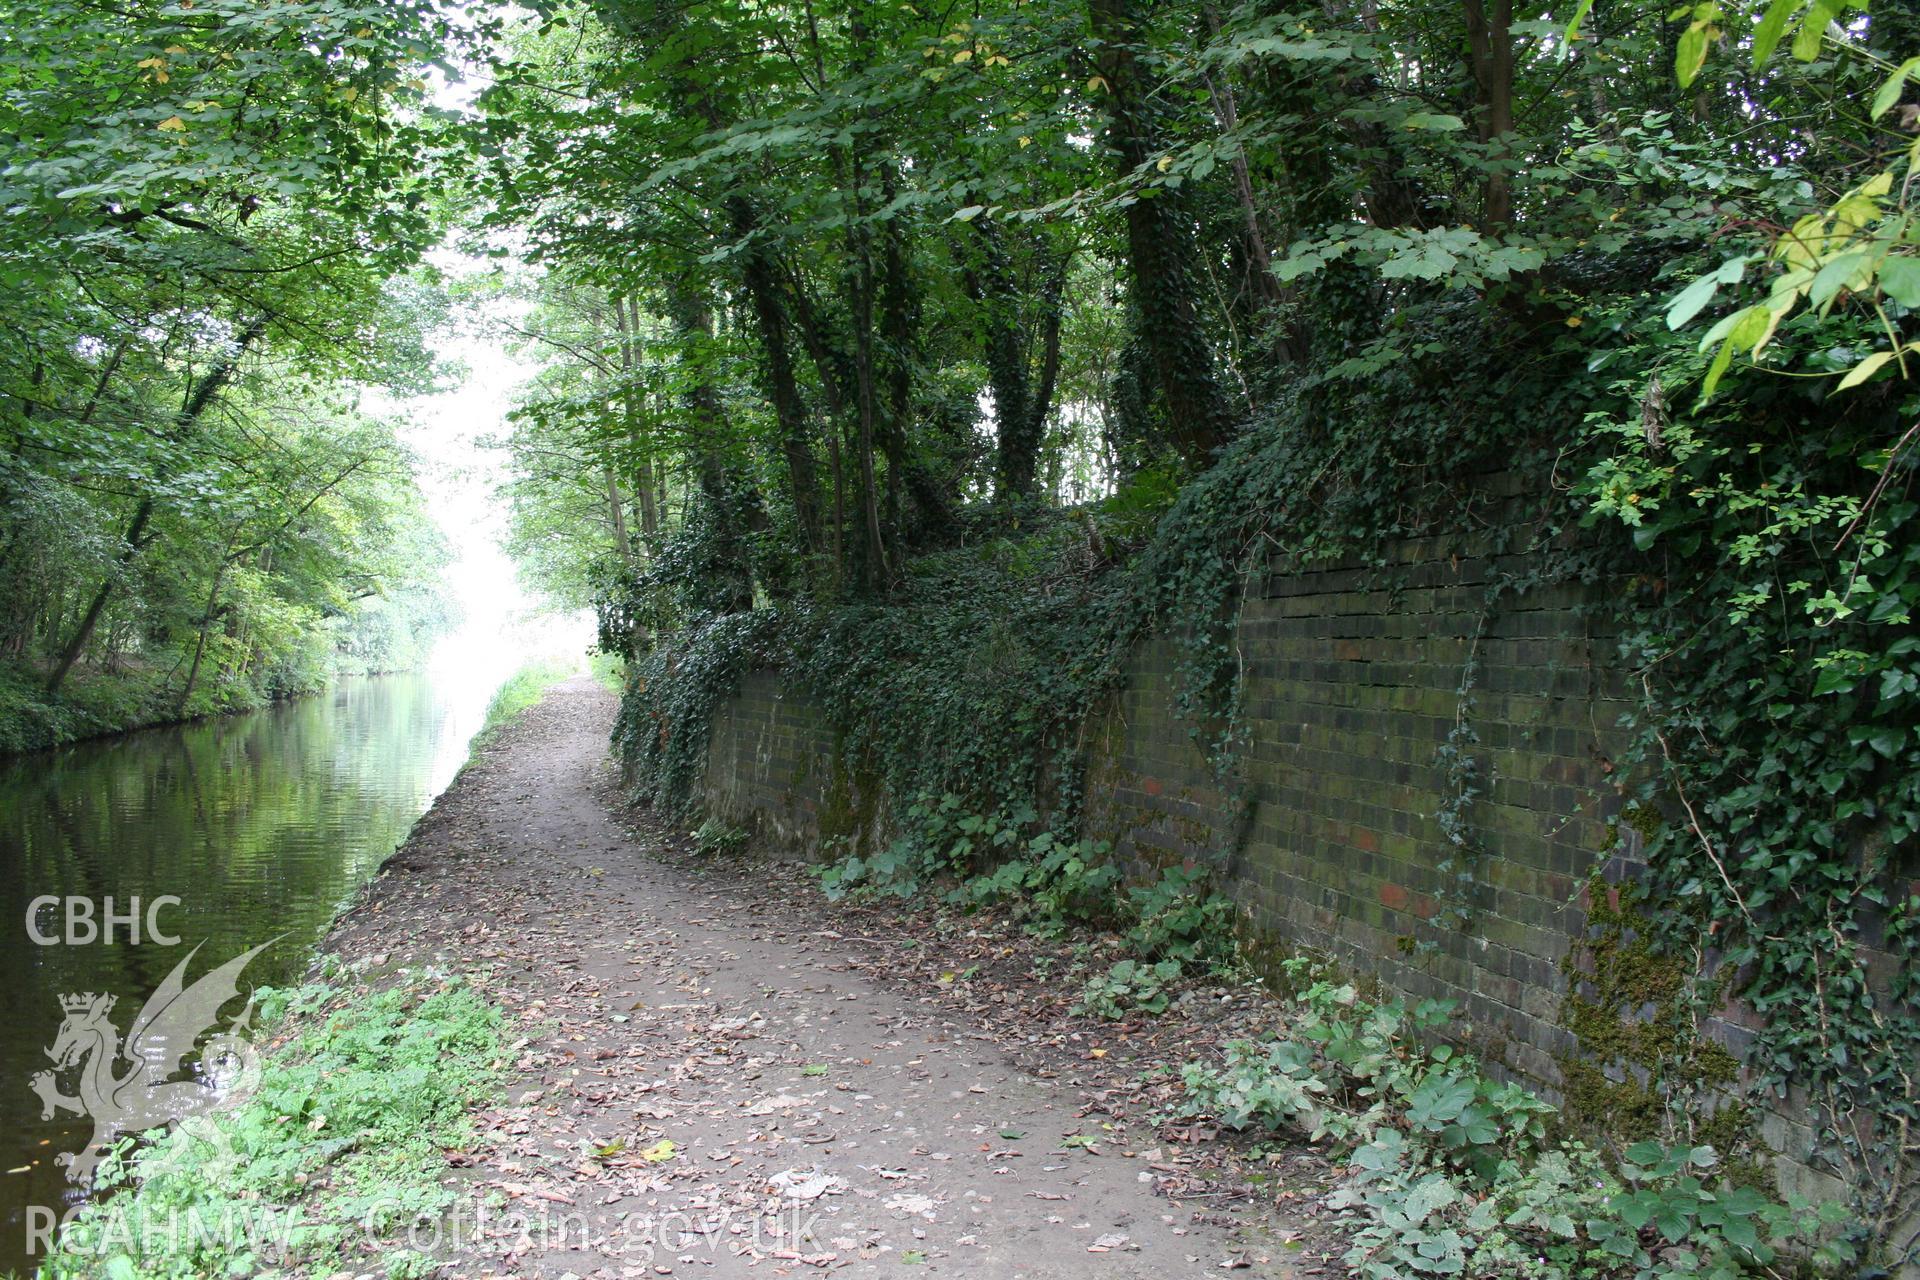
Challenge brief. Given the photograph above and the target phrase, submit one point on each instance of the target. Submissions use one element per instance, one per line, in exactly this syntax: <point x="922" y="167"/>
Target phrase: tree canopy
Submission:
<point x="209" y="211"/>
<point x="938" y="353"/>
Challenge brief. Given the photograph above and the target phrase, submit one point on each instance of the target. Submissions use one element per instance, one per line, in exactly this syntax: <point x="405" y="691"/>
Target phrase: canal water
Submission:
<point x="261" y="824"/>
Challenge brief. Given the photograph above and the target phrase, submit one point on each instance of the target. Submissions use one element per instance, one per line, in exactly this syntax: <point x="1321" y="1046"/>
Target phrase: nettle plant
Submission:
<point x="1127" y="986"/>
<point x="1173" y="926"/>
<point x="1451" y="1173"/>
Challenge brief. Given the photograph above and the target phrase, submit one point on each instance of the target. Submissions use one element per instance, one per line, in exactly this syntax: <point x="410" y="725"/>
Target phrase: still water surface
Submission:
<point x="261" y="824"/>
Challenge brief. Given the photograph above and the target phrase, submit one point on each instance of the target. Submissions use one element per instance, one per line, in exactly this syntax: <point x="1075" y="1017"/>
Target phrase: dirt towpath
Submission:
<point x="711" y="1083"/>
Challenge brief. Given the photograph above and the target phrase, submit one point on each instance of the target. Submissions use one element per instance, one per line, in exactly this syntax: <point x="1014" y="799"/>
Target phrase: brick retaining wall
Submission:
<point x="1332" y="838"/>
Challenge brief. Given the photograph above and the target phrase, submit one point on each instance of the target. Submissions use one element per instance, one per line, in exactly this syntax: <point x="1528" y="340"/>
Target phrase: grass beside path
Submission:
<point x="339" y="1151"/>
<point x="521" y="690"/>
<point x="325" y="1165"/>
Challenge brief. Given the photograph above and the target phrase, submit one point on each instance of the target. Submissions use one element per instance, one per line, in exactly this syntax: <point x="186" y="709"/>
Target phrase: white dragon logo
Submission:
<point x="145" y="1094"/>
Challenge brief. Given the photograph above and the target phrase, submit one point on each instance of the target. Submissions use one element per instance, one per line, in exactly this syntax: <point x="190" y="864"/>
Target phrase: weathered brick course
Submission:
<point x="1331" y="840"/>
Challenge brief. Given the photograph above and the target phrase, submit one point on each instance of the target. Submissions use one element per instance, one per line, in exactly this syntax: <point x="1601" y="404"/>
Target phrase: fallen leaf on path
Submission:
<point x="807" y="1184"/>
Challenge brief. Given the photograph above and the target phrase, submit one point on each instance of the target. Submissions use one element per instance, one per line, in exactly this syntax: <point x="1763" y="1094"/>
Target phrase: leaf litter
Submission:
<point x="673" y="1015"/>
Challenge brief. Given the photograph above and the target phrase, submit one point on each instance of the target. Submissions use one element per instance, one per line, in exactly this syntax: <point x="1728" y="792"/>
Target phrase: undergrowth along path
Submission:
<point x="714" y="1079"/>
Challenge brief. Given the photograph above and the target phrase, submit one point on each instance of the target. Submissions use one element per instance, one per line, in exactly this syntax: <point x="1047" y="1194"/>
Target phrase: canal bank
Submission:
<point x="227" y="833"/>
<point x="698" y="1076"/>
<point x="94" y="704"/>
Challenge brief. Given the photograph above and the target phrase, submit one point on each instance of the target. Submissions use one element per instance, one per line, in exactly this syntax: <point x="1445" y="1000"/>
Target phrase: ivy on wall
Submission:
<point x="1761" y="588"/>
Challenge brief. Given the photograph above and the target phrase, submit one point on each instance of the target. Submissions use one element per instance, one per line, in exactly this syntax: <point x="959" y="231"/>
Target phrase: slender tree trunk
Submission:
<point x="628" y="312"/>
<point x="763" y="292"/>
<point x="86" y="415"/>
<point x="200" y="639"/>
<point x="132" y="542"/>
<point x="106" y="376"/>
<point x="789" y="411"/>
<point x="899" y="325"/>
<point x="616" y="501"/>
<point x="1268" y="292"/>
<point x="662" y="488"/>
<point x="617" y="508"/>
<point x="1489" y="34"/>
<point x="873" y="560"/>
<point x="1160" y="247"/>
<point x="874" y="572"/>
<point x="707" y="415"/>
<point x="1265" y="287"/>
<point x="1022" y="395"/>
<point x="839" y="514"/>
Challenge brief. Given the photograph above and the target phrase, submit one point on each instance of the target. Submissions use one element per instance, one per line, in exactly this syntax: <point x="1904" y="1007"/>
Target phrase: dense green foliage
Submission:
<point x="203" y="211"/>
<point x="936" y="358"/>
<point x="1451" y="1173"/>
<point x="340" y="1147"/>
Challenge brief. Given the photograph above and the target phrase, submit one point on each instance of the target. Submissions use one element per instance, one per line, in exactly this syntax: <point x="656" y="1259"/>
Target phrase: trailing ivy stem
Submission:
<point x="1693" y="818"/>
<point x="1879" y="487"/>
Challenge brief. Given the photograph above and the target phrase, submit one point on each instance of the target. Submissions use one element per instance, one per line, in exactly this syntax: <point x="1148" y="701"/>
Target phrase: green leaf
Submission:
<point x="1806" y="41"/>
<point x="1900" y="280"/>
<point x="1834" y="275"/>
<point x="1645" y="1153"/>
<point x="1691" y="300"/>
<point x="1752" y="328"/>
<point x="1747" y="329"/>
<point x="1890" y="91"/>
<point x="1675" y="1224"/>
<point x="1691" y="54"/>
<point x="1864" y="370"/>
<point x="1432" y="122"/>
<point x="1833" y="680"/>
<point x="969" y="213"/>
<point x="1767" y="35"/>
<point x="1579" y="16"/>
<point x="1428" y="1197"/>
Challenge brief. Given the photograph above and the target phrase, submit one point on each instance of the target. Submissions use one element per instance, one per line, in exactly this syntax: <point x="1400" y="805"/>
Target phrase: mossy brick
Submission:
<point x="1354" y="681"/>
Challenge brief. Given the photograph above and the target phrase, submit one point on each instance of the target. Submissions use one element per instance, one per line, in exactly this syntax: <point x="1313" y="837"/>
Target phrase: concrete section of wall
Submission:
<point x="770" y="764"/>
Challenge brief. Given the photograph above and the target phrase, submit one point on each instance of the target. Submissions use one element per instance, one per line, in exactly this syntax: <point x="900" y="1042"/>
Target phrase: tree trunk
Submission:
<point x="198" y="398"/>
<point x="1022" y="394"/>
<point x="1490" y="37"/>
<point x="1261" y="282"/>
<point x="628" y="312"/>
<point x="899" y="332"/>
<point x="789" y="412"/>
<point x="616" y="507"/>
<point x="200" y="639"/>
<point x="1160" y="248"/>
<point x="873" y="559"/>
<point x="839" y="512"/>
<point x="707" y="416"/>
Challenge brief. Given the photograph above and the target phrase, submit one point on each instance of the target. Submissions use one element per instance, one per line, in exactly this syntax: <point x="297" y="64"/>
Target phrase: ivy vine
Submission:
<point x="1761" y="591"/>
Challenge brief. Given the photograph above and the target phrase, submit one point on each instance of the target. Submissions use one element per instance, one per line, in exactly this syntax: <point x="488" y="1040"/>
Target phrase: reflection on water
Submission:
<point x="261" y="824"/>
